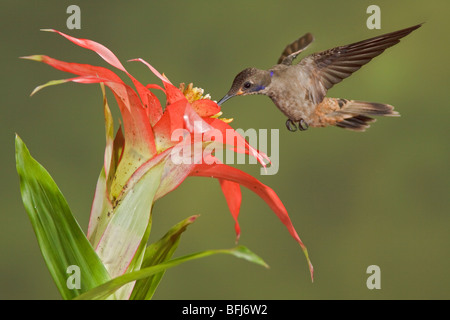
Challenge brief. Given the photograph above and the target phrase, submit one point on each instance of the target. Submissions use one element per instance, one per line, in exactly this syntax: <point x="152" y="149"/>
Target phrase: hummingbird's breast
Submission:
<point x="289" y="92"/>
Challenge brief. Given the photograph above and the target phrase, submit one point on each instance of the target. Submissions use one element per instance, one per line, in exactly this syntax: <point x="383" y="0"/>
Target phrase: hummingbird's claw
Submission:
<point x="290" y="125"/>
<point x="302" y="125"/>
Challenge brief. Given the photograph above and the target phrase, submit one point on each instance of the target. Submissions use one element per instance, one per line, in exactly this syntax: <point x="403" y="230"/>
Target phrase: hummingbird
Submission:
<point x="299" y="90"/>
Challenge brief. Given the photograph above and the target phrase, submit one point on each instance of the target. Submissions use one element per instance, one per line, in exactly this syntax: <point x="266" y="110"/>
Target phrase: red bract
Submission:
<point x="147" y="140"/>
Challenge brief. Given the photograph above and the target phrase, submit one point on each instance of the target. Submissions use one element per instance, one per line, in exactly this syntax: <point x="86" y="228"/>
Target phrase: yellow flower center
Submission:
<point x="193" y="94"/>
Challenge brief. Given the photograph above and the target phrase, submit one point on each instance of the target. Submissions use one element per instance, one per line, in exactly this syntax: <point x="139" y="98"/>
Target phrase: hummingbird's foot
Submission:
<point x="290" y="125"/>
<point x="302" y="125"/>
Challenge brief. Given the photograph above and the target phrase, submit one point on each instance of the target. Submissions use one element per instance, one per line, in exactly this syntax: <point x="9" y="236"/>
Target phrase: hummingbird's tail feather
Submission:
<point x="366" y="108"/>
<point x="356" y="123"/>
<point x="356" y="115"/>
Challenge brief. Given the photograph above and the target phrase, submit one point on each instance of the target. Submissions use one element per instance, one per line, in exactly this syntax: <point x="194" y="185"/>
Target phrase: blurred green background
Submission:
<point x="356" y="199"/>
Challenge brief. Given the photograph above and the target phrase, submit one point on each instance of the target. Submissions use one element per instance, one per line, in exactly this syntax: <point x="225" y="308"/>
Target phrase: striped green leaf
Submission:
<point x="70" y="258"/>
<point x="111" y="286"/>
<point x="158" y="252"/>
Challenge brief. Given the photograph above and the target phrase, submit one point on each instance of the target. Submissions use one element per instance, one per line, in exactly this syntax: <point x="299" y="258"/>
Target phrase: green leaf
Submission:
<point x="120" y="246"/>
<point x="156" y="253"/>
<point x="60" y="238"/>
<point x="125" y="292"/>
<point x="102" y="206"/>
<point x="111" y="286"/>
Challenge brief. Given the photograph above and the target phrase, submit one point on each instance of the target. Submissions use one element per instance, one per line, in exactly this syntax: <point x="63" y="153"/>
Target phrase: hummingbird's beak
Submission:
<point x="227" y="96"/>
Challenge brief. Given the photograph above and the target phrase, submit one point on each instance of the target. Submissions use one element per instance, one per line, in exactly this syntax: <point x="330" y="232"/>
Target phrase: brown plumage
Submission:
<point x="299" y="90"/>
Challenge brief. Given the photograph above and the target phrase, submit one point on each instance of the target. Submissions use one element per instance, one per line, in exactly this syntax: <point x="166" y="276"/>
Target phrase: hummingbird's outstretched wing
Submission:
<point x="293" y="50"/>
<point x="325" y="69"/>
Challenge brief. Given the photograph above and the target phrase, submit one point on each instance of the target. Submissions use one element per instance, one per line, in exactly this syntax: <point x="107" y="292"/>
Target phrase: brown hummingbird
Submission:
<point x="299" y="90"/>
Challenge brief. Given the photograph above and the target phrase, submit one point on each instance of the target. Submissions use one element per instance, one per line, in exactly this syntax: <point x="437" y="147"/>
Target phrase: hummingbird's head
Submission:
<point x="248" y="81"/>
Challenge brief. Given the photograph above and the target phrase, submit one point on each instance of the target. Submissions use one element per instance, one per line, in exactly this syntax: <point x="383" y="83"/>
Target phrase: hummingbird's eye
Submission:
<point x="247" y="85"/>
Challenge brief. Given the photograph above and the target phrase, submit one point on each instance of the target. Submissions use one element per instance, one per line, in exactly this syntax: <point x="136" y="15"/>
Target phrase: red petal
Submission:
<point x="154" y="109"/>
<point x="179" y="115"/>
<point x="136" y="126"/>
<point x="155" y="86"/>
<point x="156" y="72"/>
<point x="138" y="130"/>
<point x="100" y="49"/>
<point x="148" y="99"/>
<point x="173" y="94"/>
<point x="77" y="68"/>
<point x="205" y="107"/>
<point x="171" y="120"/>
<point x="222" y="171"/>
<point x="240" y="144"/>
<point x="232" y="192"/>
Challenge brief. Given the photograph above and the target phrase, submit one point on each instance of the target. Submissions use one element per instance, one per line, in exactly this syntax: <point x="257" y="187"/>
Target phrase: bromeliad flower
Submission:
<point x="142" y="163"/>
